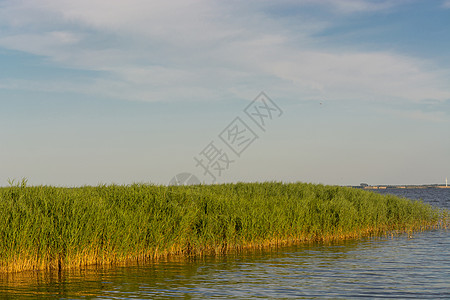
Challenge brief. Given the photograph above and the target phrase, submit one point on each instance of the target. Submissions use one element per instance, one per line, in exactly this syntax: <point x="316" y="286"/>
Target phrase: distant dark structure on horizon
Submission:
<point x="383" y="187"/>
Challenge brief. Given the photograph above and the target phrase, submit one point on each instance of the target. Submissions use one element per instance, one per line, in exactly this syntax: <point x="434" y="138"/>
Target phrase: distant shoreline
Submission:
<point x="385" y="187"/>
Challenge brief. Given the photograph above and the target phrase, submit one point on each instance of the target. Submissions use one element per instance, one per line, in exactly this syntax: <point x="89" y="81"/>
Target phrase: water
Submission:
<point x="404" y="266"/>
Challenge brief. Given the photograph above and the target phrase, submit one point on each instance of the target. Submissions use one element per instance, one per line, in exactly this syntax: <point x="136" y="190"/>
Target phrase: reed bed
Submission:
<point x="44" y="227"/>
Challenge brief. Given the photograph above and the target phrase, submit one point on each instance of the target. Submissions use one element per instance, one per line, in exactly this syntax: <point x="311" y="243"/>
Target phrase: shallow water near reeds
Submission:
<point x="404" y="266"/>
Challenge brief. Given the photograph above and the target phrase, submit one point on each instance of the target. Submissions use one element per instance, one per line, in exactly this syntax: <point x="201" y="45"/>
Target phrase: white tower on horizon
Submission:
<point x="446" y="182"/>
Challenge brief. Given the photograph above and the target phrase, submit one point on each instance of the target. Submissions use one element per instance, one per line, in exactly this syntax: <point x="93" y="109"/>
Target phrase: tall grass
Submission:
<point x="48" y="227"/>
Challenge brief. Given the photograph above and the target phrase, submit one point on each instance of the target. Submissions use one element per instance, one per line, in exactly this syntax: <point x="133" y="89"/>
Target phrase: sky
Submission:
<point x="100" y="92"/>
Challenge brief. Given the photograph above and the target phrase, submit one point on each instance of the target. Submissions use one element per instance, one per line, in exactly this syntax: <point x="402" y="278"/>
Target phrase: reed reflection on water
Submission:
<point x="386" y="267"/>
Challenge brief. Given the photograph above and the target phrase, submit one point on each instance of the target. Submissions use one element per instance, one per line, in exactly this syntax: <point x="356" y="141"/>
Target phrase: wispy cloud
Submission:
<point x="157" y="51"/>
<point x="446" y="4"/>
<point x="352" y="6"/>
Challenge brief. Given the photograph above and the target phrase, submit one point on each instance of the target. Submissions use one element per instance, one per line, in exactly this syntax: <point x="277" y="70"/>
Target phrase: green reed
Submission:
<point x="49" y="227"/>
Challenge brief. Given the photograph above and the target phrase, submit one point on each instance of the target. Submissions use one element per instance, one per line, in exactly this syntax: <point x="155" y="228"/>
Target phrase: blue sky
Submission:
<point x="120" y="92"/>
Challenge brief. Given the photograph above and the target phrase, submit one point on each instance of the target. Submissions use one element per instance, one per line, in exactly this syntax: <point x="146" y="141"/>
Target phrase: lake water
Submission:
<point x="385" y="267"/>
